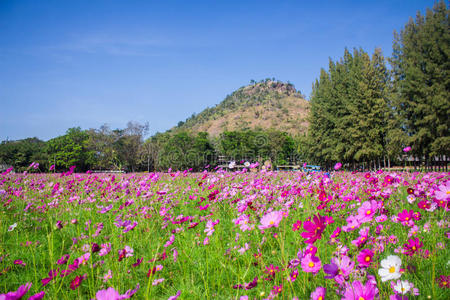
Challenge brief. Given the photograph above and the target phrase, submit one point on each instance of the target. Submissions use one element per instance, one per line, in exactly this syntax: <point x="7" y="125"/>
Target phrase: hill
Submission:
<point x="267" y="104"/>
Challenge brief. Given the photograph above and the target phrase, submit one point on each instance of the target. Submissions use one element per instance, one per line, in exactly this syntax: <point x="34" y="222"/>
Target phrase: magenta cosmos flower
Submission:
<point x="271" y="219"/>
<point x="365" y="258"/>
<point x="297" y="225"/>
<point x="357" y="290"/>
<point x="313" y="229"/>
<point x="21" y="291"/>
<point x="412" y="246"/>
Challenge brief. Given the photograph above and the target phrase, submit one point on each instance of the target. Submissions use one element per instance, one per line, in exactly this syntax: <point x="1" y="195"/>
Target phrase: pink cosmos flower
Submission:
<point x="337" y="166"/>
<point x="126" y="252"/>
<point x="297" y="225"/>
<point x="107" y="276"/>
<point x="276" y="289"/>
<point x="76" y="282"/>
<point x="345" y="267"/>
<point x="112" y="294"/>
<point x="105" y="249"/>
<point x="336" y="233"/>
<point x="362" y="239"/>
<point x="352" y="224"/>
<point x="319" y="293"/>
<point x="356" y="290"/>
<point x="170" y="241"/>
<point x="176" y="296"/>
<point x="365" y="258"/>
<point x="412" y="246"/>
<point x="37" y="296"/>
<point x="443" y="193"/>
<point x="157" y="281"/>
<point x="109" y="294"/>
<point x="313" y="229"/>
<point x="51" y="274"/>
<point x="407" y="149"/>
<point x="19" y="262"/>
<point x="443" y="281"/>
<point x="293" y="276"/>
<point x="138" y="262"/>
<point x="272" y="270"/>
<point x="367" y="210"/>
<point x="311" y="264"/>
<point x="405" y="216"/>
<point x="271" y="219"/>
<point x="21" y="291"/>
<point x="63" y="260"/>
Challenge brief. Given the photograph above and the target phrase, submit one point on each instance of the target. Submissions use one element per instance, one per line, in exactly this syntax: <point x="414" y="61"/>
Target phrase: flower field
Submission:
<point x="223" y="235"/>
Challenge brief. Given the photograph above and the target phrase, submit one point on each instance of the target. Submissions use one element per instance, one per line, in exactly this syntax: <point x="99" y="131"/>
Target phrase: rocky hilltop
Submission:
<point x="268" y="104"/>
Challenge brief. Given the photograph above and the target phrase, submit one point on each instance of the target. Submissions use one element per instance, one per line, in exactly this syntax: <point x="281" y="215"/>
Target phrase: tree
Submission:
<point x="20" y="154"/>
<point x="183" y="150"/>
<point x="349" y="110"/>
<point x="420" y="65"/>
<point x="70" y="149"/>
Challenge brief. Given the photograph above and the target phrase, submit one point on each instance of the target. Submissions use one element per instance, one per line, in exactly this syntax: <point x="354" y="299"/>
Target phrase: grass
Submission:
<point x="166" y="204"/>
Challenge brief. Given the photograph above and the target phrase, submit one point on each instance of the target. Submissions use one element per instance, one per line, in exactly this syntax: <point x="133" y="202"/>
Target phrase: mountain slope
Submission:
<point x="266" y="104"/>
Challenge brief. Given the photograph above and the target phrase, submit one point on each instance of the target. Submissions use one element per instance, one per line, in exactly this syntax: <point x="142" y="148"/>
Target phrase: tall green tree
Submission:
<point x="349" y="110"/>
<point x="420" y="65"/>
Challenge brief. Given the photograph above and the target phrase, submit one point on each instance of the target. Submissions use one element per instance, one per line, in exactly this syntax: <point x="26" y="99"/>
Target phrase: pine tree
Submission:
<point x="420" y="66"/>
<point x="349" y="110"/>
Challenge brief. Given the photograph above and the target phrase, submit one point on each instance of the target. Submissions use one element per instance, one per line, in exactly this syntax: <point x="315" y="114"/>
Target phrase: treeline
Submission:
<point x="125" y="149"/>
<point x="364" y="110"/>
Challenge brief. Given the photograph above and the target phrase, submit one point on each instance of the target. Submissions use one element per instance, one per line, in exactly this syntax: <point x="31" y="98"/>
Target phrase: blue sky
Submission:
<point x="86" y="63"/>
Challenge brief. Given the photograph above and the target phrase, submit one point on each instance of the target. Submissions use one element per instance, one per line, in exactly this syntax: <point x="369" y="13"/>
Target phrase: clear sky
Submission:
<point x="85" y="63"/>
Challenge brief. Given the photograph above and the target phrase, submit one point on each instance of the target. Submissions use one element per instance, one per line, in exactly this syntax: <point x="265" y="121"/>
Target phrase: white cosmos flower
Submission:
<point x="246" y="164"/>
<point x="402" y="286"/>
<point x="12" y="227"/>
<point x="390" y="268"/>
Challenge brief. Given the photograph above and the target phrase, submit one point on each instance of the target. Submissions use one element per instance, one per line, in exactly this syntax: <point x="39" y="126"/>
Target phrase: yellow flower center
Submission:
<point x="448" y="192"/>
<point x="367" y="258"/>
<point x="368" y="212"/>
<point x="392" y="269"/>
<point x="407" y="218"/>
<point x="403" y="289"/>
<point x="311" y="264"/>
<point x="414" y="248"/>
<point x="320" y="298"/>
<point x="271" y="222"/>
<point x="361" y="298"/>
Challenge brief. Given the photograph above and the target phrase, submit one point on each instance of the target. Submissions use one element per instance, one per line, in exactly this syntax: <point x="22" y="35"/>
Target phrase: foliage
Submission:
<point x="70" y="150"/>
<point x="349" y="109"/>
<point x="20" y="154"/>
<point x="260" y="144"/>
<point x="184" y="150"/>
<point x="421" y="70"/>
